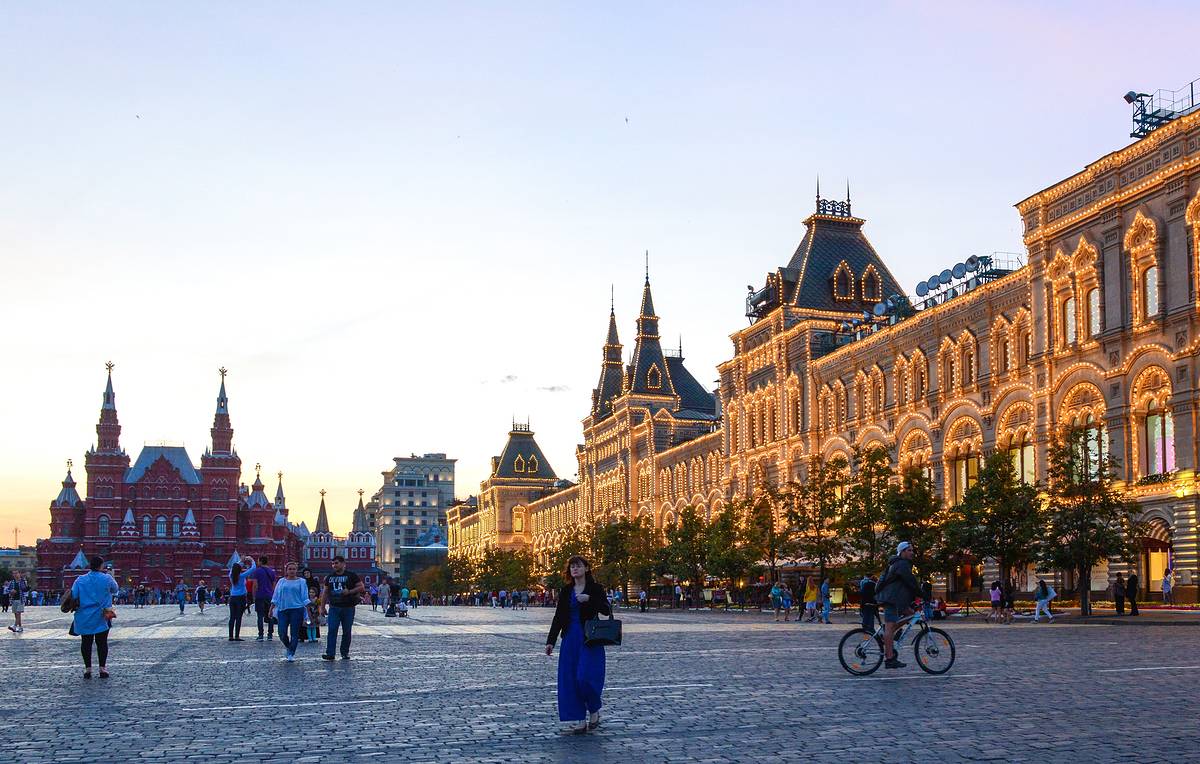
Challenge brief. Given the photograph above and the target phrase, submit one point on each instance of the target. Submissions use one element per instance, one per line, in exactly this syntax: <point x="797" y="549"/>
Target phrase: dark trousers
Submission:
<point x="291" y="621"/>
<point x="85" y="648"/>
<point x="237" y="607"/>
<point x="1133" y="604"/>
<point x="869" y="614"/>
<point x="1120" y="600"/>
<point x="339" y="618"/>
<point x="262" y="608"/>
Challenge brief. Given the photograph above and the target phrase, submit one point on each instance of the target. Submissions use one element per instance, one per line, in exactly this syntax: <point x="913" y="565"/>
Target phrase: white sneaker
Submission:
<point x="291" y="658"/>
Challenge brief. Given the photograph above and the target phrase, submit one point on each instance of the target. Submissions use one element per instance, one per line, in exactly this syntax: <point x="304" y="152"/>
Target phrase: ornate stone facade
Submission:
<point x="1098" y="330"/>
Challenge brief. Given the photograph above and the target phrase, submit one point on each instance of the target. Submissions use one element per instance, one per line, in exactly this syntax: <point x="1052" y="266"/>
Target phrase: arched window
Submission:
<point x="175" y="526"/>
<point x="1069" y="324"/>
<point x="1020" y="450"/>
<point x="871" y="288"/>
<point x="842" y="284"/>
<point x="918" y="375"/>
<point x="1093" y="309"/>
<point x="146" y="526"/>
<point x="653" y="378"/>
<point x="1091" y="446"/>
<point x="218" y="527"/>
<point x="964" y="470"/>
<point x="102" y="525"/>
<point x="1160" y="442"/>
<point x="1002" y="359"/>
<point x="1150" y="291"/>
<point x="968" y="364"/>
<point x="160" y="529"/>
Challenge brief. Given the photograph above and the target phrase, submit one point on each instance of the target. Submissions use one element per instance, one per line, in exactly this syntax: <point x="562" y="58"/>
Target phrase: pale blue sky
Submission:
<point x="373" y="214"/>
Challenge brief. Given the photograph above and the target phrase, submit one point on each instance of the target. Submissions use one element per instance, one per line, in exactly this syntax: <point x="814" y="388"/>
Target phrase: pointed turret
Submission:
<point x="234" y="559"/>
<point x="258" y="495"/>
<point x="68" y="496"/>
<point x="78" y="562"/>
<point x="129" y="527"/>
<point x="648" y="374"/>
<point x="222" y="431"/>
<point x="189" y="530"/>
<point x="280" y="502"/>
<point x="611" y="373"/>
<point x="108" y="430"/>
<point x="322" y="517"/>
<point x="360" y="517"/>
<point x="280" y="519"/>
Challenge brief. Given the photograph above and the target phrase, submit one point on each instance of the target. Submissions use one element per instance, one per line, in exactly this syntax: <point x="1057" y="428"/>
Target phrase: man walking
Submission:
<point x="16" y="589"/>
<point x="642" y="600"/>
<point x="1131" y="592"/>
<point x="338" y="597"/>
<point x="264" y="578"/>
<point x="868" y="609"/>
<point x="1118" y="590"/>
<point x="678" y="596"/>
<point x="1167" y="585"/>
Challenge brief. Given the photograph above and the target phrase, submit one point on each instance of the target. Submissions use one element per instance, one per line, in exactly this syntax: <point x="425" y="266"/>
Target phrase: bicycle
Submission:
<point x="861" y="652"/>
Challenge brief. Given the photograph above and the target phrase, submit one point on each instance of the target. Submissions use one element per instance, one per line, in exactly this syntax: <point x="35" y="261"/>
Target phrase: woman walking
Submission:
<point x="237" y="598"/>
<point x="580" y="666"/>
<point x="94" y="592"/>
<point x="1043" y="594"/>
<point x="776" y="600"/>
<point x="785" y="595"/>
<point x="810" y="599"/>
<point x="288" y="604"/>
<point x="996" y="615"/>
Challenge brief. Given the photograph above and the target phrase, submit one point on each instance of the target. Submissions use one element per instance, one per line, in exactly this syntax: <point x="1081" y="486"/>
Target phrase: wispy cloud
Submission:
<point x="508" y="378"/>
<point x="554" y="388"/>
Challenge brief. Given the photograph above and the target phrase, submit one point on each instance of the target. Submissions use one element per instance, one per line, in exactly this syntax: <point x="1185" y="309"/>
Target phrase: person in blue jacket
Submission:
<point x="94" y="592"/>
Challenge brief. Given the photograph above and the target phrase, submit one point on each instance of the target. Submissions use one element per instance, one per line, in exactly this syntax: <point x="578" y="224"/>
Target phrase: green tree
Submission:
<point x="1087" y="518"/>
<point x="771" y="533"/>
<point x="729" y="554"/>
<point x="814" y="508"/>
<point x="863" y="523"/>
<point x="431" y="580"/>
<point x="505" y="569"/>
<point x="915" y="513"/>
<point x="461" y="573"/>
<point x="625" y="552"/>
<point x="999" y="517"/>
<point x="577" y="541"/>
<point x="685" y="554"/>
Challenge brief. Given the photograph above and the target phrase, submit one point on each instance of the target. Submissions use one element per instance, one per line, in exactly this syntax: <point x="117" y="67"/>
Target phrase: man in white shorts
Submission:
<point x="17" y="589"/>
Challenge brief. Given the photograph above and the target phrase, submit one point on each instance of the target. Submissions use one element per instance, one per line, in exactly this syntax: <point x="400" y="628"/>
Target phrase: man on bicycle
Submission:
<point x="896" y="591"/>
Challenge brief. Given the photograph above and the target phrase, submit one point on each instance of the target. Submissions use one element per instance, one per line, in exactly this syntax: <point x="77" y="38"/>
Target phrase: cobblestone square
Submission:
<point x="471" y="685"/>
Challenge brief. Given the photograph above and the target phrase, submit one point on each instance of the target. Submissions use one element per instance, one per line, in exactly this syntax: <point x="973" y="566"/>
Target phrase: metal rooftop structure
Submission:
<point x="1153" y="110"/>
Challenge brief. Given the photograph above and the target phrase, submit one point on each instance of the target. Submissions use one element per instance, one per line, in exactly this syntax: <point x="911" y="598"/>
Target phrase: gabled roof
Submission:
<point x="176" y="456"/>
<point x="258" y="497"/>
<point x="522" y="457"/>
<point x="78" y="562"/>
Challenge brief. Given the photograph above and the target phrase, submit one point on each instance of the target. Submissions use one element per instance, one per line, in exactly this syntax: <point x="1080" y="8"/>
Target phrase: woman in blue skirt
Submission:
<point x="580" y="667"/>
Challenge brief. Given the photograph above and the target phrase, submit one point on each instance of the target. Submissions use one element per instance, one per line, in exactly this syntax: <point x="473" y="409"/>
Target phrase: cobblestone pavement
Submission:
<point x="472" y="685"/>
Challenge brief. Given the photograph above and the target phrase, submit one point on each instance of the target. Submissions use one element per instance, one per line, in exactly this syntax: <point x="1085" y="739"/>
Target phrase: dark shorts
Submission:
<point x="996" y="605"/>
<point x="891" y="613"/>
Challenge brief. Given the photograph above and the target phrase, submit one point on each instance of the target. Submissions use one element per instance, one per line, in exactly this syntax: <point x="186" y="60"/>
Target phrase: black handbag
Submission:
<point x="598" y="631"/>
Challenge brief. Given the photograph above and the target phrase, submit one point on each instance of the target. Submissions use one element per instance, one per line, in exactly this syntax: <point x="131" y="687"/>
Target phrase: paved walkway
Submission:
<point x="471" y="685"/>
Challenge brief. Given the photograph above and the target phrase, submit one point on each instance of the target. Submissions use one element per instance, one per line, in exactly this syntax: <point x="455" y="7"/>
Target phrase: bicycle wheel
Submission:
<point x="860" y="652"/>
<point x="934" y="651"/>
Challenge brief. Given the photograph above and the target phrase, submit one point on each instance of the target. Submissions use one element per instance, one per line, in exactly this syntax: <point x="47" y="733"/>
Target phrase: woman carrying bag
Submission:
<point x="580" y="666"/>
<point x="92" y="593"/>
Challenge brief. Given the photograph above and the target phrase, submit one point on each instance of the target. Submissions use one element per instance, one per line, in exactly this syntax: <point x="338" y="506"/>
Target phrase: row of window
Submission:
<point x="104" y="526"/>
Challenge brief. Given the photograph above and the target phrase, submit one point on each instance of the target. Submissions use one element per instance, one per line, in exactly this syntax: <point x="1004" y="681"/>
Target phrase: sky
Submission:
<point x="398" y="224"/>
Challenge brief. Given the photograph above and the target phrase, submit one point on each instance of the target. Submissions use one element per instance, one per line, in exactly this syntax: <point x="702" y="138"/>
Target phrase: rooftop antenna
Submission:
<point x="847" y="190"/>
<point x="647" y="266"/>
<point x="612" y="299"/>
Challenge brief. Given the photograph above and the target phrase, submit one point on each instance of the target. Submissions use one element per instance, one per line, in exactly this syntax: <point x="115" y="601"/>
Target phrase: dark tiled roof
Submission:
<point x="176" y="456"/>
<point x="692" y="394"/>
<point x="522" y="450"/>
<point x="828" y="242"/>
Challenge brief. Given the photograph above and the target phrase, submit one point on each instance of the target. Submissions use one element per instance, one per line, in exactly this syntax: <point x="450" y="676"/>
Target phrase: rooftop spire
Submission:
<point x="222" y="431"/>
<point x="108" y="429"/>
<point x="322" y="518"/>
<point x="360" y="516"/>
<point x="279" y="500"/>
